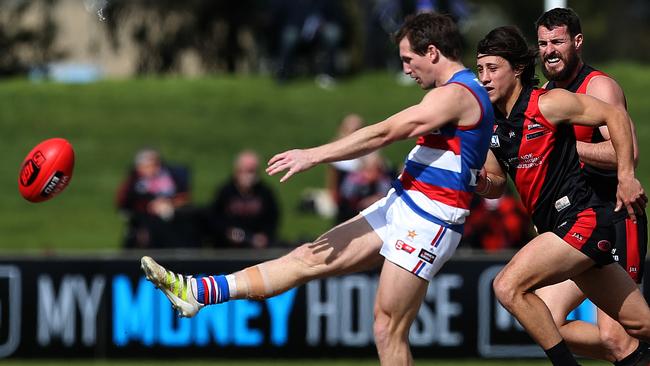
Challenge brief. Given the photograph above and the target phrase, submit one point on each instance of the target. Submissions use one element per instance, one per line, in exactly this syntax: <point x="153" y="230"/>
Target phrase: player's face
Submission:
<point x="497" y="76"/>
<point x="558" y="52"/>
<point x="418" y="67"/>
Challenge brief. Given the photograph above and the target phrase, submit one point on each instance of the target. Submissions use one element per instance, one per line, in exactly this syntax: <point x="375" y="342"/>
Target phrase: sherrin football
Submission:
<point x="46" y="170"/>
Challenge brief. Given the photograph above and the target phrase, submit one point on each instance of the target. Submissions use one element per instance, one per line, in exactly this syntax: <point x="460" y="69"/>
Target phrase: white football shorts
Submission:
<point x="410" y="241"/>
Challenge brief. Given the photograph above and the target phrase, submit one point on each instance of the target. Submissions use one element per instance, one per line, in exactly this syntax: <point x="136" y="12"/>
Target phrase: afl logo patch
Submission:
<point x="604" y="245"/>
<point x="495" y="141"/>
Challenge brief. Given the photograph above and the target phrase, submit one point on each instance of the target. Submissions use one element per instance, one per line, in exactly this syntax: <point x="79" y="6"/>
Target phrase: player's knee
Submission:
<point x="382" y="329"/>
<point x="504" y="291"/>
<point x="613" y="340"/>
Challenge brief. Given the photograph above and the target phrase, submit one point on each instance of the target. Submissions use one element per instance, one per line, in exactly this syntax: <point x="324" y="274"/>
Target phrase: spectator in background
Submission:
<point x="244" y="212"/>
<point x="382" y="18"/>
<point x="497" y="224"/>
<point x="337" y="171"/>
<point x="362" y="188"/>
<point x="315" y="26"/>
<point x="154" y="200"/>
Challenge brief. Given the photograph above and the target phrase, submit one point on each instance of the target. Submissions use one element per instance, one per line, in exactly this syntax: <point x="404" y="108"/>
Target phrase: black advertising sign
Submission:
<point x="105" y="308"/>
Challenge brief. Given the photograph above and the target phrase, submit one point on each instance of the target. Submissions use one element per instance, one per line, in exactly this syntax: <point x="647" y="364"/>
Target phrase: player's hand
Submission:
<point x="630" y="194"/>
<point x="295" y="161"/>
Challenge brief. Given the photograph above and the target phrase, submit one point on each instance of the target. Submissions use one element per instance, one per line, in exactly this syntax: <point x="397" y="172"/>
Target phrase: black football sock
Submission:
<point x="640" y="356"/>
<point x="560" y="355"/>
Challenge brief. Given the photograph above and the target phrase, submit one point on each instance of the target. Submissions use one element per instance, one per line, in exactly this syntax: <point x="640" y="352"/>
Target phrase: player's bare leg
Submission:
<point x="546" y="260"/>
<point x="607" y="341"/>
<point x="614" y="338"/>
<point x="399" y="296"/>
<point x="582" y="338"/>
<point x="612" y="290"/>
<point x="350" y="247"/>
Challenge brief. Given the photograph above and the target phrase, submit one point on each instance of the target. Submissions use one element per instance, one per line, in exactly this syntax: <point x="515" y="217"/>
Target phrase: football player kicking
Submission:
<point x="412" y="231"/>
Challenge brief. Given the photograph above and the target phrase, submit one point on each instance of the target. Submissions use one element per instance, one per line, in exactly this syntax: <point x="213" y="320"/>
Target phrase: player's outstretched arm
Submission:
<point x="440" y="106"/>
<point x="562" y="106"/>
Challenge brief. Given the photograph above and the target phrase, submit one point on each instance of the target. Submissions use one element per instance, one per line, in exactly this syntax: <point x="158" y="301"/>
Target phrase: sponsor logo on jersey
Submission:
<point x="528" y="161"/>
<point x="562" y="203"/>
<point x="511" y="134"/>
<point x="400" y="245"/>
<point x="426" y="256"/>
<point x="533" y="126"/>
<point x="474" y="177"/>
<point x="537" y="134"/>
<point x="578" y="236"/>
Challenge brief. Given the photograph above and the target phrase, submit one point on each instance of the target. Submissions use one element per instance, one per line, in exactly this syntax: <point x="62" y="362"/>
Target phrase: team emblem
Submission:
<point x="495" y="141"/>
<point x="604" y="245"/>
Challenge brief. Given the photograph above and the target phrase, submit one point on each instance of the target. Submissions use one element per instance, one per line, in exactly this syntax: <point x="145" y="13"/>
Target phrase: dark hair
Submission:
<point x="559" y="17"/>
<point x="435" y="29"/>
<point x="509" y="43"/>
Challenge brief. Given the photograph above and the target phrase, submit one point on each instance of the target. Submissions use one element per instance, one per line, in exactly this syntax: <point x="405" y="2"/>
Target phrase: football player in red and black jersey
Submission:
<point x="559" y="40"/>
<point x="534" y="143"/>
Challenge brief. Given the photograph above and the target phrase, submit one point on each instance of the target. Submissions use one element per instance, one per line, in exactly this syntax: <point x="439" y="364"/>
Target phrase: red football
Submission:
<point x="47" y="170"/>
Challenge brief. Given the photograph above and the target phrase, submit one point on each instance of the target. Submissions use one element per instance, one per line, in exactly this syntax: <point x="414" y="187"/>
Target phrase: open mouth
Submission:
<point x="552" y="60"/>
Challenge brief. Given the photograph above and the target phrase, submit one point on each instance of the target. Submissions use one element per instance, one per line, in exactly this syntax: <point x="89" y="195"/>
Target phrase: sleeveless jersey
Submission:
<point x="439" y="176"/>
<point x="542" y="161"/>
<point x="602" y="181"/>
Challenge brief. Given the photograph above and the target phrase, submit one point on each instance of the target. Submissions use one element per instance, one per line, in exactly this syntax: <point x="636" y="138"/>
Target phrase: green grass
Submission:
<point x="291" y="363"/>
<point x="202" y="123"/>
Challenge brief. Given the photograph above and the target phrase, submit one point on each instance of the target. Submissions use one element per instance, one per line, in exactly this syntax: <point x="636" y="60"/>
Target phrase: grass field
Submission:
<point x="202" y="123"/>
<point x="292" y="363"/>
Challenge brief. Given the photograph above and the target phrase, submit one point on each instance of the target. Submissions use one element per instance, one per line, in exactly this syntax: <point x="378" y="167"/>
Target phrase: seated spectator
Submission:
<point x="244" y="212"/>
<point x="154" y="199"/>
<point x="337" y="171"/>
<point x="362" y="188"/>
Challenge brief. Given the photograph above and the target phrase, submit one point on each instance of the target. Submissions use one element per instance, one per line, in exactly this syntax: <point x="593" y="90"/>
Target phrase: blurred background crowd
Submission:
<point x="285" y="38"/>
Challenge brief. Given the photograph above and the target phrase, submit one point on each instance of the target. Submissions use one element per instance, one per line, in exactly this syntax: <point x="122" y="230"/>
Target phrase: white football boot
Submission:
<point x="176" y="287"/>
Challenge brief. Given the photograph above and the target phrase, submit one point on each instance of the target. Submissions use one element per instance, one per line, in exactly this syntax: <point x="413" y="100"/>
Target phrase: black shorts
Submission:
<point x="591" y="231"/>
<point x="631" y="245"/>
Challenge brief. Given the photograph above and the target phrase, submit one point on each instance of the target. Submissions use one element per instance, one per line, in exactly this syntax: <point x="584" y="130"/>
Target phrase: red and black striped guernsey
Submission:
<point x="542" y="161"/>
